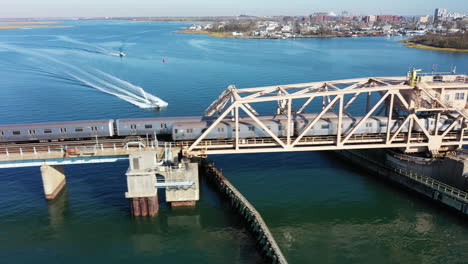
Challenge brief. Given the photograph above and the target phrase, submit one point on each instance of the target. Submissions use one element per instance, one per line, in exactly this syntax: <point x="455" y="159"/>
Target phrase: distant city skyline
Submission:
<point x="136" y="8"/>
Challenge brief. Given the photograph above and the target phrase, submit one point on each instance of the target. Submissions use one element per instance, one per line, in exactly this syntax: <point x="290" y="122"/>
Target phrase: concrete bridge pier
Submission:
<point x="188" y="195"/>
<point x="53" y="180"/>
<point x="141" y="184"/>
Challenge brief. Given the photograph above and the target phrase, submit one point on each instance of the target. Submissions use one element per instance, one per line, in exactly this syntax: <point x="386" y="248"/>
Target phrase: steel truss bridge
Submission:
<point x="409" y="99"/>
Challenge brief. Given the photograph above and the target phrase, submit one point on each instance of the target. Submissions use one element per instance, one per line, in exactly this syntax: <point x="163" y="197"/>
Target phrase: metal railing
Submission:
<point x="428" y="181"/>
<point x="434" y="184"/>
<point x="313" y="140"/>
<point x="77" y="148"/>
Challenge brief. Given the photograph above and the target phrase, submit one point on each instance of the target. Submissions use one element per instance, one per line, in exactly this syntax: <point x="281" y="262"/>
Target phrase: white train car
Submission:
<point x="226" y="130"/>
<point x="56" y="130"/>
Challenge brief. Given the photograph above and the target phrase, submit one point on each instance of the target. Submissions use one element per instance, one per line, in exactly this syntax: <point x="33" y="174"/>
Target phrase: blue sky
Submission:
<point x="74" y="8"/>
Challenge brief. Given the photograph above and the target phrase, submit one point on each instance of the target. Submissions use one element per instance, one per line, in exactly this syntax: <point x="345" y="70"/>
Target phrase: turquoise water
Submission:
<point x="319" y="209"/>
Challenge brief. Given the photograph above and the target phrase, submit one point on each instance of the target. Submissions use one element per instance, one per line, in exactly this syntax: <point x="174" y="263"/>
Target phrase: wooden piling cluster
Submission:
<point x="144" y="206"/>
<point x="265" y="241"/>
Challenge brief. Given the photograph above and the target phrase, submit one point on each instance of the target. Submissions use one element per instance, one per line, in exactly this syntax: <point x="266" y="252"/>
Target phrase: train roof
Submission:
<point x="158" y="119"/>
<point x="55" y="124"/>
<point x="224" y="122"/>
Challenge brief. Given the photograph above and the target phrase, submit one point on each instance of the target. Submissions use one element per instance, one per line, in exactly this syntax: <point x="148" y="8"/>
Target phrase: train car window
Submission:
<point x="79" y="129"/>
<point x="459" y="96"/>
<point x="220" y="129"/>
<point x="163" y="126"/>
<point x="32" y="132"/>
<point x="16" y="132"/>
<point x="251" y="128"/>
<point x="2" y="133"/>
<point x="234" y="129"/>
<point x="133" y="126"/>
<point x="63" y="130"/>
<point x="325" y="126"/>
<point x="175" y="130"/>
<point x="368" y="124"/>
<point x="189" y="130"/>
<point x="203" y="130"/>
<point x="148" y="126"/>
<point x="383" y="124"/>
<point x="47" y="131"/>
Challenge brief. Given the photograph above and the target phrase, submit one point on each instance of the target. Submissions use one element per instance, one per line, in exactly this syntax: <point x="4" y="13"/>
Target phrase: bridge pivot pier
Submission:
<point x="187" y="193"/>
<point x="141" y="184"/>
<point x="53" y="180"/>
<point x="149" y="172"/>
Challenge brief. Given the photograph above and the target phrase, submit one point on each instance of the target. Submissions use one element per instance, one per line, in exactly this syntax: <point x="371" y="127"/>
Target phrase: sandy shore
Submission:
<point x="29" y="24"/>
<point x="44" y="26"/>
<point x="419" y="46"/>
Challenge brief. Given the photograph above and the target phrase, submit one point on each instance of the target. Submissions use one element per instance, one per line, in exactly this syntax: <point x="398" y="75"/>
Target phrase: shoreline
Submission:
<point x="27" y="22"/>
<point x="413" y="45"/>
<point x="229" y="35"/>
<point x="30" y="24"/>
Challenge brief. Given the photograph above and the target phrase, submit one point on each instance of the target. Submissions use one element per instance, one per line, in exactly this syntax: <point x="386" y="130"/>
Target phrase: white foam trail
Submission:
<point x="122" y="89"/>
<point x="131" y="99"/>
<point x="95" y="47"/>
<point x="151" y="99"/>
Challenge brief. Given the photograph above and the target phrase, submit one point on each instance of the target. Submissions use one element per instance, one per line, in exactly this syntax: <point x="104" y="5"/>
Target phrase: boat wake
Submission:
<point x="110" y="84"/>
<point x="89" y="47"/>
<point x="91" y="78"/>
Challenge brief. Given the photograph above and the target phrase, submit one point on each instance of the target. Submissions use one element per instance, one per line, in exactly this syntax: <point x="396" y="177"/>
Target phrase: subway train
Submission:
<point x="190" y="128"/>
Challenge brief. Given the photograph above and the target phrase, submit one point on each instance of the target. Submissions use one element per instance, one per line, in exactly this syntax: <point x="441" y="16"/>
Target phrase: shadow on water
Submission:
<point x="400" y="191"/>
<point x="58" y="209"/>
<point x="244" y="240"/>
<point x="204" y="228"/>
<point x="104" y="185"/>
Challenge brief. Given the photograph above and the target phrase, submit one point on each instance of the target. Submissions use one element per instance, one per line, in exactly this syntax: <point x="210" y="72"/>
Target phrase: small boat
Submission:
<point x="121" y="54"/>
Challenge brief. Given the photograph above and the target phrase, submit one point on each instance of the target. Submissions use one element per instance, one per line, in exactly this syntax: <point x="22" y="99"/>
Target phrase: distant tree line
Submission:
<point x="439" y="40"/>
<point x="322" y="31"/>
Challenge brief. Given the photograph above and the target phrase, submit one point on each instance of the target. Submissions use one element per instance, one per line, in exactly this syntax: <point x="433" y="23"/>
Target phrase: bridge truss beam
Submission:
<point x="393" y="95"/>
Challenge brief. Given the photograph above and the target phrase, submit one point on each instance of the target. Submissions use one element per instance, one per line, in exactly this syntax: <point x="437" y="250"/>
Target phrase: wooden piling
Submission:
<point x="254" y="222"/>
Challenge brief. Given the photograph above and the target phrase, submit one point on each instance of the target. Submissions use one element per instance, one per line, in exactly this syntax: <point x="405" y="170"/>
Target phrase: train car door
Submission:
<point x="133" y="129"/>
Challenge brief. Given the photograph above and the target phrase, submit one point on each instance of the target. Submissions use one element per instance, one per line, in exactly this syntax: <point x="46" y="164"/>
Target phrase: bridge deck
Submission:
<point x="71" y="152"/>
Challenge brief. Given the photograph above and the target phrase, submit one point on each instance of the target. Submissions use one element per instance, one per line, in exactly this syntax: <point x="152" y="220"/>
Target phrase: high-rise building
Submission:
<point x="423" y="19"/>
<point x="440" y="12"/>
<point x="388" y="18"/>
<point x="370" y="19"/>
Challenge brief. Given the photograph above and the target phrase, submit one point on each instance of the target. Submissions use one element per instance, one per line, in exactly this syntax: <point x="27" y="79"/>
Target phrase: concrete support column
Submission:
<point x="184" y="196"/>
<point x="143" y="194"/>
<point x="53" y="180"/>
<point x="141" y="183"/>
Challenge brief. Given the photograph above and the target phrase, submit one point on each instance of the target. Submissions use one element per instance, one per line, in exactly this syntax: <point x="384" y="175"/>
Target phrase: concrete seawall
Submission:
<point x="431" y="188"/>
<point x="265" y="241"/>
